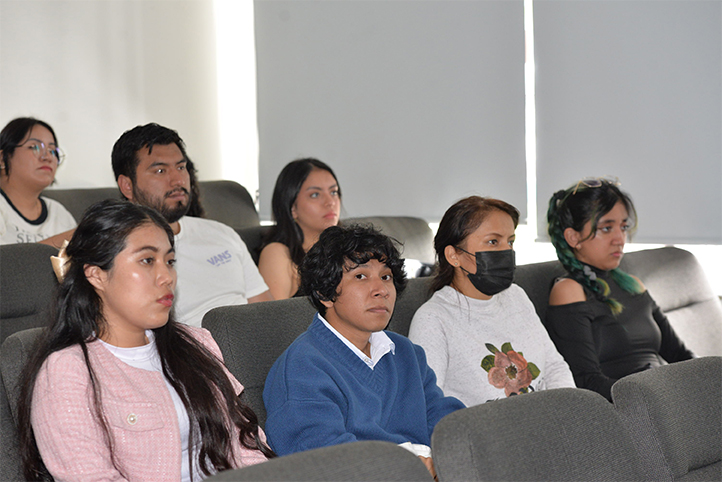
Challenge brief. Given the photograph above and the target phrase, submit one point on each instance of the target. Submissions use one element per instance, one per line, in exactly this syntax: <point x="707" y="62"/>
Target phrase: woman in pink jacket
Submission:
<point x="116" y="389"/>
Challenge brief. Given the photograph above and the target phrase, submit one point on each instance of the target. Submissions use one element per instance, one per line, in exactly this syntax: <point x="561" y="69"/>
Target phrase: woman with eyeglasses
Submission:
<point x="602" y="320"/>
<point x="29" y="158"/>
<point x="480" y="332"/>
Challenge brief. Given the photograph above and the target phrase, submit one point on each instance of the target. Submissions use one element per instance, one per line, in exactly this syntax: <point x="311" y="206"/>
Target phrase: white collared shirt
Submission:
<point x="380" y="343"/>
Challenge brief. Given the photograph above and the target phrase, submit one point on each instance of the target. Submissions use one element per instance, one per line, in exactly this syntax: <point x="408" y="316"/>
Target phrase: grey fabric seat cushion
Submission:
<point x="414" y="233"/>
<point x="678" y="284"/>
<point x="536" y="279"/>
<point x="225" y="201"/>
<point x="565" y="434"/>
<point x="357" y="461"/>
<point x="14" y="354"/>
<point x="10" y="462"/>
<point x="251" y="338"/>
<point x="28" y="285"/>
<point x="675" y="414"/>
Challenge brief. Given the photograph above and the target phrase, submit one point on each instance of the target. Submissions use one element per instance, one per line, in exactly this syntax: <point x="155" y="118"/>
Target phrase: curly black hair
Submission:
<point x="341" y="248"/>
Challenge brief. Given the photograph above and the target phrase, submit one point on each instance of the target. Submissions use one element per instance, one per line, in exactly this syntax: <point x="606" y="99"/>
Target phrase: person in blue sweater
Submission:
<point x="345" y="378"/>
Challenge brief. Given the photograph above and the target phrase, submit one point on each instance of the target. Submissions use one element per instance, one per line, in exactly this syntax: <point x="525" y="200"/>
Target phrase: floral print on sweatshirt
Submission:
<point x="509" y="370"/>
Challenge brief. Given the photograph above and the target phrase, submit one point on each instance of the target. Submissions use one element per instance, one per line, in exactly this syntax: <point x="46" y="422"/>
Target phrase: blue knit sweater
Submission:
<point x="319" y="393"/>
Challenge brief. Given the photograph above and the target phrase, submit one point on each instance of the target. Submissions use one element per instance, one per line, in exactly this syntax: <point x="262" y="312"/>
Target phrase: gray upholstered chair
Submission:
<point x="27" y="286"/>
<point x="229" y="203"/>
<point x="674" y="414"/>
<point x="77" y="200"/>
<point x="251" y="337"/>
<point x="10" y="464"/>
<point x="225" y="201"/>
<point x="357" y="461"/>
<point x="254" y="237"/>
<point x="678" y="284"/>
<point x="14" y="353"/>
<point x="415" y="295"/>
<point x="536" y="279"/>
<point x="414" y="233"/>
<point x="565" y="434"/>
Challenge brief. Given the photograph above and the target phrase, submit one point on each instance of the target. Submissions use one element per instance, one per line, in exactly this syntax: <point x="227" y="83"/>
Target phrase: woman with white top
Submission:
<point x="29" y="158"/>
<point x="480" y="331"/>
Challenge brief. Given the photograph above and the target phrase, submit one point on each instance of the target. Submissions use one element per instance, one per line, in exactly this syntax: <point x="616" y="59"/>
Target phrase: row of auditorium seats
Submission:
<point x="251" y="337"/>
<point x="230" y="203"/>
<point x="555" y="435"/>
<point x="665" y="425"/>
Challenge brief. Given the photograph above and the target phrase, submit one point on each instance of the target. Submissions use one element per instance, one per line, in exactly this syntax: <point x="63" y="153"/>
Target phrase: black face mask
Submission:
<point x="494" y="271"/>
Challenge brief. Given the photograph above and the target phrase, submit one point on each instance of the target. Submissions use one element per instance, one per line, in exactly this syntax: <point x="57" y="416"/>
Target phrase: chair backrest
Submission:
<point x="536" y="279"/>
<point x="415" y="295"/>
<point x="357" y="461"/>
<point x="675" y="415"/>
<point x="225" y="201"/>
<point x="252" y="337"/>
<point x="10" y="462"/>
<point x="678" y="284"/>
<point x="566" y="434"/>
<point x="78" y="200"/>
<point x="253" y="237"/>
<point x="14" y="353"/>
<point x="27" y="286"/>
<point x="673" y="277"/>
<point x="229" y="203"/>
<point x="414" y="233"/>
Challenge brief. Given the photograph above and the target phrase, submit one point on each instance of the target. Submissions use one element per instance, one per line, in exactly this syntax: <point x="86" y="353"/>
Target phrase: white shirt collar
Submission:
<point x="380" y="343"/>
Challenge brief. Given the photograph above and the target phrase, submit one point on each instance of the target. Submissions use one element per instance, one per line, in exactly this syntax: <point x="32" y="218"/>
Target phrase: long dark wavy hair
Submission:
<point x="191" y="369"/>
<point x="288" y="185"/>
<point x="15" y="133"/>
<point x="574" y="208"/>
<point x="459" y="221"/>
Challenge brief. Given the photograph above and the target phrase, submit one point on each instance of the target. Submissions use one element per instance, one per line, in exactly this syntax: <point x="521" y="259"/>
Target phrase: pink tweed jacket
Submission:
<point x="142" y="420"/>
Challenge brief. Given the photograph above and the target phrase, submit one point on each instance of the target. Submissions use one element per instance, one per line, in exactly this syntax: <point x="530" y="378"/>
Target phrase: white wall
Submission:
<point x="93" y="69"/>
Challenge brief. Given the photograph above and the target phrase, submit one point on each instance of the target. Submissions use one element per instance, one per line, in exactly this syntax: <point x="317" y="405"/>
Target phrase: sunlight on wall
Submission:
<point x="236" y="64"/>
